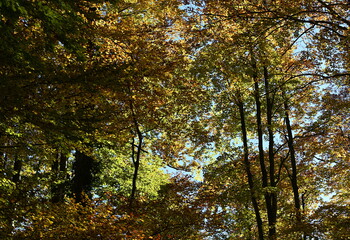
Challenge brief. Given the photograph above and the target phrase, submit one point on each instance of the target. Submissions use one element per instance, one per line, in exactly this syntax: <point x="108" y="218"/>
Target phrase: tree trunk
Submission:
<point x="84" y="169"/>
<point x="248" y="171"/>
<point x="259" y="129"/>
<point x="294" y="179"/>
<point x="135" y="156"/>
<point x="59" y="169"/>
<point x="272" y="199"/>
<point x="17" y="167"/>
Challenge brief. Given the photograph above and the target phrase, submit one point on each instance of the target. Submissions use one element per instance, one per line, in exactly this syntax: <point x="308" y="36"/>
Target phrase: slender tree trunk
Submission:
<point x="303" y="205"/>
<point x="136" y="157"/>
<point x="248" y="171"/>
<point x="272" y="200"/>
<point x="265" y="181"/>
<point x="294" y="179"/>
<point x="269" y="198"/>
<point x="59" y="169"/>
<point x="17" y="167"/>
<point x="11" y="211"/>
<point x="2" y="159"/>
<point x="259" y="129"/>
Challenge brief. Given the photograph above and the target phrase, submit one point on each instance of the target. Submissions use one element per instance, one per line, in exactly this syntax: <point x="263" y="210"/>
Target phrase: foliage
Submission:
<point x="98" y="99"/>
<point x="116" y="174"/>
<point x="172" y="216"/>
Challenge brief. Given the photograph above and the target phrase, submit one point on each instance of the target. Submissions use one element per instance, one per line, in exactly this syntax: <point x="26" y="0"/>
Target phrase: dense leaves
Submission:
<point x="104" y="105"/>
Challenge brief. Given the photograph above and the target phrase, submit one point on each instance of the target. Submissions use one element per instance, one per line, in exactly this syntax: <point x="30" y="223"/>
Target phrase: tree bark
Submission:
<point x="294" y="179"/>
<point x="59" y="169"/>
<point x="272" y="195"/>
<point x="84" y="169"/>
<point x="135" y="156"/>
<point x="248" y="171"/>
<point x="17" y="167"/>
<point x="259" y="129"/>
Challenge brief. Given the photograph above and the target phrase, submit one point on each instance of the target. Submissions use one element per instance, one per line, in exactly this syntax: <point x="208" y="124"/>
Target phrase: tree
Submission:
<point x="255" y="63"/>
<point x="98" y="98"/>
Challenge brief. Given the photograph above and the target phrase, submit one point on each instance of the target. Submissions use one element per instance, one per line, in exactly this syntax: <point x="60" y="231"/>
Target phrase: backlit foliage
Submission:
<point x="154" y="119"/>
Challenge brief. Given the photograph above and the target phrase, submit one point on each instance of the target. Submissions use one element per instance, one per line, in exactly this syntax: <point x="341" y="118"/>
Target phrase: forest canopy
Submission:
<point x="154" y="119"/>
